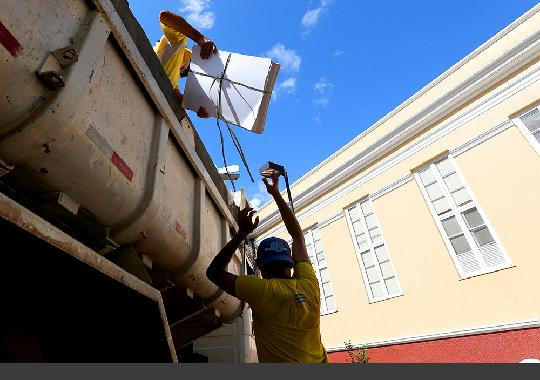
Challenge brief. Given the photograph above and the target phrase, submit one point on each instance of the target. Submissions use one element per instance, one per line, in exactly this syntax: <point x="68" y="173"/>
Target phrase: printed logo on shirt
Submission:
<point x="300" y="297"/>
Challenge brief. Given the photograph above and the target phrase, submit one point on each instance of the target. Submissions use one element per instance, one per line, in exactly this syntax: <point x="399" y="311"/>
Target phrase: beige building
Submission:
<point x="424" y="228"/>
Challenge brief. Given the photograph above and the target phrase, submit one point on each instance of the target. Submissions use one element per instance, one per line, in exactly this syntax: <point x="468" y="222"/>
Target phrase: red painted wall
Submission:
<point x="502" y="347"/>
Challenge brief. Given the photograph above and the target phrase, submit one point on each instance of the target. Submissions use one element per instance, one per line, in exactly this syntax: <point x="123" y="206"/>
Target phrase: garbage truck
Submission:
<point x="111" y="208"/>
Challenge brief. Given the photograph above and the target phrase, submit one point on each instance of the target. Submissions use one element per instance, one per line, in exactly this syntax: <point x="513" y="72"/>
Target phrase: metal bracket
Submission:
<point x="128" y="259"/>
<point x="53" y="80"/>
<point x="5" y="168"/>
<point x="50" y="72"/>
<point x="66" y="56"/>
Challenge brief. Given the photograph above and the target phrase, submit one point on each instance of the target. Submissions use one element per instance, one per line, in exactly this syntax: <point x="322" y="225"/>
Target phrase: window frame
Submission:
<point x="525" y="131"/>
<point x="457" y="212"/>
<point x="317" y="268"/>
<point x="372" y="246"/>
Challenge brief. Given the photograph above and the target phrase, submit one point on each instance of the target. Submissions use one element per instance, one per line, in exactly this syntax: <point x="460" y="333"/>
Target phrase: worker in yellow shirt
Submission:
<point x="286" y="309"/>
<point x="173" y="52"/>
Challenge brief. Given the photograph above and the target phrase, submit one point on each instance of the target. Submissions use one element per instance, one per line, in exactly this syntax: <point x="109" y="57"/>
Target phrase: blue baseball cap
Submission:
<point x="273" y="249"/>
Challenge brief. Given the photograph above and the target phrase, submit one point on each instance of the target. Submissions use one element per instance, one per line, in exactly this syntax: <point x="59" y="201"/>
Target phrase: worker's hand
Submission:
<point x="271" y="187"/>
<point x="207" y="47"/>
<point x="245" y="223"/>
<point x="202" y="113"/>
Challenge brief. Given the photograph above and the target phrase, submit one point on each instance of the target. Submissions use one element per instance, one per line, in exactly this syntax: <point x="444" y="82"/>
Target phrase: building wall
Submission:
<point x="502" y="170"/>
<point x="501" y="347"/>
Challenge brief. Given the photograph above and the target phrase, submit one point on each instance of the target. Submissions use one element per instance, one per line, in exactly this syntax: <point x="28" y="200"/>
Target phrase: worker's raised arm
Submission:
<point x="217" y="270"/>
<point x="299" y="251"/>
<point x="179" y="24"/>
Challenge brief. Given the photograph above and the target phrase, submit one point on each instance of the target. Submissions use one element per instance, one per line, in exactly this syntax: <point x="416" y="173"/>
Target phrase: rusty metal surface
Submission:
<point x="23" y="218"/>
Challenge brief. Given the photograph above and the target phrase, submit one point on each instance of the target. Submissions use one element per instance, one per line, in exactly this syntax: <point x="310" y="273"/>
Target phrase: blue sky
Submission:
<point x="345" y="64"/>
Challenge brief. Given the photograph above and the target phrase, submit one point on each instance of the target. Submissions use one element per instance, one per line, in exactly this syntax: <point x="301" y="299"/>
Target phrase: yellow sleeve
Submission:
<point x="303" y="270"/>
<point x="172" y="35"/>
<point x="250" y="289"/>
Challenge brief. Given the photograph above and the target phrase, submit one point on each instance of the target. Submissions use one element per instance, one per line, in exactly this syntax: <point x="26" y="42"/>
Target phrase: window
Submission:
<point x="318" y="260"/>
<point x="372" y="253"/>
<point x="462" y="224"/>
<point x="529" y="125"/>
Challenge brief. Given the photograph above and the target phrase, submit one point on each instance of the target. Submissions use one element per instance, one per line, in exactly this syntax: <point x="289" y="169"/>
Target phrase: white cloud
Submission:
<point x="338" y="53"/>
<point x="317" y="119"/>
<point x="287" y="58"/>
<point x="255" y="203"/>
<point x="323" y="92"/>
<point x="312" y="16"/>
<point x="198" y="13"/>
<point x="260" y="196"/>
<point x="288" y="86"/>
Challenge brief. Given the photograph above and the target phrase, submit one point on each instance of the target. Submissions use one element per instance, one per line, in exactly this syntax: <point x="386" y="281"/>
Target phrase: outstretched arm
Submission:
<point x="178" y="23"/>
<point x="217" y="270"/>
<point x="299" y="251"/>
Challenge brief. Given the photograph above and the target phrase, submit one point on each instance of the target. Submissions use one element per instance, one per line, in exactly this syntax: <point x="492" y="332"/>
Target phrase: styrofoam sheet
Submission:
<point x="246" y="87"/>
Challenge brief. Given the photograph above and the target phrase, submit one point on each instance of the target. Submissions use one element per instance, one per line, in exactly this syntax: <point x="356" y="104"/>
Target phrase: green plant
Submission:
<point x="357" y="355"/>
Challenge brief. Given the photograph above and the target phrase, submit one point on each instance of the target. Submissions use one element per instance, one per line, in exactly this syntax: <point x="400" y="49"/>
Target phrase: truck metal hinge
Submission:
<point x="50" y="72"/>
<point x="5" y="168"/>
<point x="66" y="56"/>
<point x="53" y="80"/>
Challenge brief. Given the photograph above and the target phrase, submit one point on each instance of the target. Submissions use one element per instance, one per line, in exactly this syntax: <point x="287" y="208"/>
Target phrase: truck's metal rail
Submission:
<point x="16" y="214"/>
<point x="116" y="15"/>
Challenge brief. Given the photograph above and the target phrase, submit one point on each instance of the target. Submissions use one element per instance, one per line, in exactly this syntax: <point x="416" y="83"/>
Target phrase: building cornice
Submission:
<point x="513" y="59"/>
<point x="517" y="84"/>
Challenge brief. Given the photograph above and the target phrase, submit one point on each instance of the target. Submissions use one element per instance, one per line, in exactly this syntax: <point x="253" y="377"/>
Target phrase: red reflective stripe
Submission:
<point x="8" y="40"/>
<point x="122" y="166"/>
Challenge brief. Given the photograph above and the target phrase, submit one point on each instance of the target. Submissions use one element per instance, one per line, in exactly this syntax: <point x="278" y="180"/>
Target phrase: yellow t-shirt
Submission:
<point x="172" y="52"/>
<point x="286" y="316"/>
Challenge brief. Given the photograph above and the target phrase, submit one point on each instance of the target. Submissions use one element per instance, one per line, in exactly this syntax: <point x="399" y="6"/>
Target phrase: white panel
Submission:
<point x="354" y="214"/>
<point x="371" y="221"/>
<point x="461" y="197"/>
<point x="426" y="176"/>
<point x="376" y="290"/>
<point x="325" y="276"/>
<point x="445" y="167"/>
<point x="483" y="236"/>
<point x="367" y="259"/>
<point x="375" y="235"/>
<point x="357" y="227"/>
<point x="327" y="288"/>
<point x="532" y="120"/>
<point x="460" y="244"/>
<point x="318" y="246"/>
<point x="392" y="286"/>
<point x="309" y="250"/>
<point x="372" y="274"/>
<point x="316" y="234"/>
<point x="453" y="182"/>
<point x="473" y="218"/>
<point x="468" y="262"/>
<point x="434" y="191"/>
<point x="386" y="269"/>
<point x="441" y="206"/>
<point x="362" y="242"/>
<point x="366" y="208"/>
<point x="323" y="263"/>
<point x="451" y="226"/>
<point x="382" y="254"/>
<point x="331" y="303"/>
<point x="492" y="255"/>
